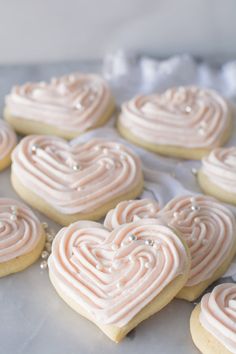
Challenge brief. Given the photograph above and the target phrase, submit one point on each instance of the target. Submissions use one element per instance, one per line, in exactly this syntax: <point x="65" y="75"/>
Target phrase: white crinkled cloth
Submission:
<point x="164" y="177"/>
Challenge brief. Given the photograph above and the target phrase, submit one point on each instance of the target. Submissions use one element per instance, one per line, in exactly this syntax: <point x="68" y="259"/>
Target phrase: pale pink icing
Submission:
<point x="105" y="170"/>
<point x="72" y="102"/>
<point x="220" y="167"/>
<point x="208" y="231"/>
<point x="20" y="229"/>
<point x="218" y="314"/>
<point x="131" y="210"/>
<point x="8" y="139"/>
<point x="189" y="117"/>
<point x="111" y="276"/>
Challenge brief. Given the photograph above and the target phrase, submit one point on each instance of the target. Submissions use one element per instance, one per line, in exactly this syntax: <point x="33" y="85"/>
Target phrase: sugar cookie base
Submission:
<point x="5" y="162"/>
<point x="65" y="219"/>
<point x="28" y="126"/>
<point x="204" y="340"/>
<point x="117" y="333"/>
<point x="172" y="151"/>
<point x="20" y="263"/>
<point x="208" y="187"/>
<point x="191" y="293"/>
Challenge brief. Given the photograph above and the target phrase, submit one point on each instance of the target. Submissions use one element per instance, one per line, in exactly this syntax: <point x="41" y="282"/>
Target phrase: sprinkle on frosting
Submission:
<point x="218" y="314"/>
<point x="220" y="167"/>
<point x="68" y="190"/>
<point x="72" y="102"/>
<point x="20" y="229"/>
<point x="7" y="139"/>
<point x="113" y="285"/>
<point x="188" y="117"/>
<point x="131" y="210"/>
<point x="207" y="226"/>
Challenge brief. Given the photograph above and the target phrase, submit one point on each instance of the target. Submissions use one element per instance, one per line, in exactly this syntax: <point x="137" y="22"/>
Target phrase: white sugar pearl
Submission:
<point x="188" y="109"/>
<point x="13" y="217"/>
<point x="194" y="171"/>
<point x="132" y="238"/>
<point x="49" y="237"/>
<point x="176" y="214"/>
<point x="44" y="254"/>
<point x="149" y="242"/>
<point x="44" y="265"/>
<point x="75" y="167"/>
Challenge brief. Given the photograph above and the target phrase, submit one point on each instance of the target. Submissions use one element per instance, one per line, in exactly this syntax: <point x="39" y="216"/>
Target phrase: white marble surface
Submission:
<point x="70" y="29"/>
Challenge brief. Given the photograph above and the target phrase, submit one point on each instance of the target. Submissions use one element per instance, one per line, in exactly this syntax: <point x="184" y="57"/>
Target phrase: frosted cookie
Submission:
<point x="22" y="237"/>
<point x="69" y="183"/>
<point x="118" y="279"/>
<point x="8" y="141"/>
<point x="131" y="210"/>
<point x="213" y="321"/>
<point x="184" y="122"/>
<point x="217" y="175"/>
<point x="66" y="107"/>
<point x="209" y="229"/>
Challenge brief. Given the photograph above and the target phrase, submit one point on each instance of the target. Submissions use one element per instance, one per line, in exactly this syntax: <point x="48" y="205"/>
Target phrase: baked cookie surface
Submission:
<point x="8" y="141"/>
<point x="73" y="182"/>
<point x="66" y="107"/>
<point x="212" y="322"/>
<point x="118" y="279"/>
<point x="184" y="122"/>
<point x="21" y="236"/>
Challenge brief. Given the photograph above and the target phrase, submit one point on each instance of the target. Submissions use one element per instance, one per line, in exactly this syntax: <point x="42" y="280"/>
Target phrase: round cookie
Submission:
<point x="70" y="183"/>
<point x="185" y="122"/>
<point x="212" y="323"/>
<point x="22" y="237"/>
<point x="66" y="107"/>
<point x="8" y="141"/>
<point x="118" y="279"/>
<point x="209" y="229"/>
<point x="217" y="175"/>
<point x="131" y="210"/>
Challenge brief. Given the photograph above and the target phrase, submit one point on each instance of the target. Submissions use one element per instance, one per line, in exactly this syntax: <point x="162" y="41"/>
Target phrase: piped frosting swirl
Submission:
<point x="189" y="117"/>
<point x="20" y="229"/>
<point x="218" y="314"/>
<point x="78" y="178"/>
<point x="131" y="210"/>
<point x="8" y="139"/>
<point x="220" y="167"/>
<point x="72" y="102"/>
<point x="208" y="228"/>
<point x="114" y="275"/>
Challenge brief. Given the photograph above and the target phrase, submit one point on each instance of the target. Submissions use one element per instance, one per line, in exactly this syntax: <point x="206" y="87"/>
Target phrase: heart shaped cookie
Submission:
<point x="131" y="210"/>
<point x="69" y="183"/>
<point x="66" y="107"/>
<point x="212" y="322"/>
<point x="209" y="229"/>
<point x="184" y="122"/>
<point x="118" y="279"/>
<point x="21" y="237"/>
<point x="8" y="141"/>
<point x="217" y="175"/>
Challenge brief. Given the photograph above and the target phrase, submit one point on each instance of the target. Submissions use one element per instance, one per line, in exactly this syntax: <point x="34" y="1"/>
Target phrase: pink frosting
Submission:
<point x="188" y="117"/>
<point x="218" y="314"/>
<point x="208" y="228"/>
<point x="20" y="229"/>
<point x="220" y="167"/>
<point x="73" y="102"/>
<point x="131" y="210"/>
<point x="114" y="275"/>
<point x="78" y="178"/>
<point x="8" y="139"/>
